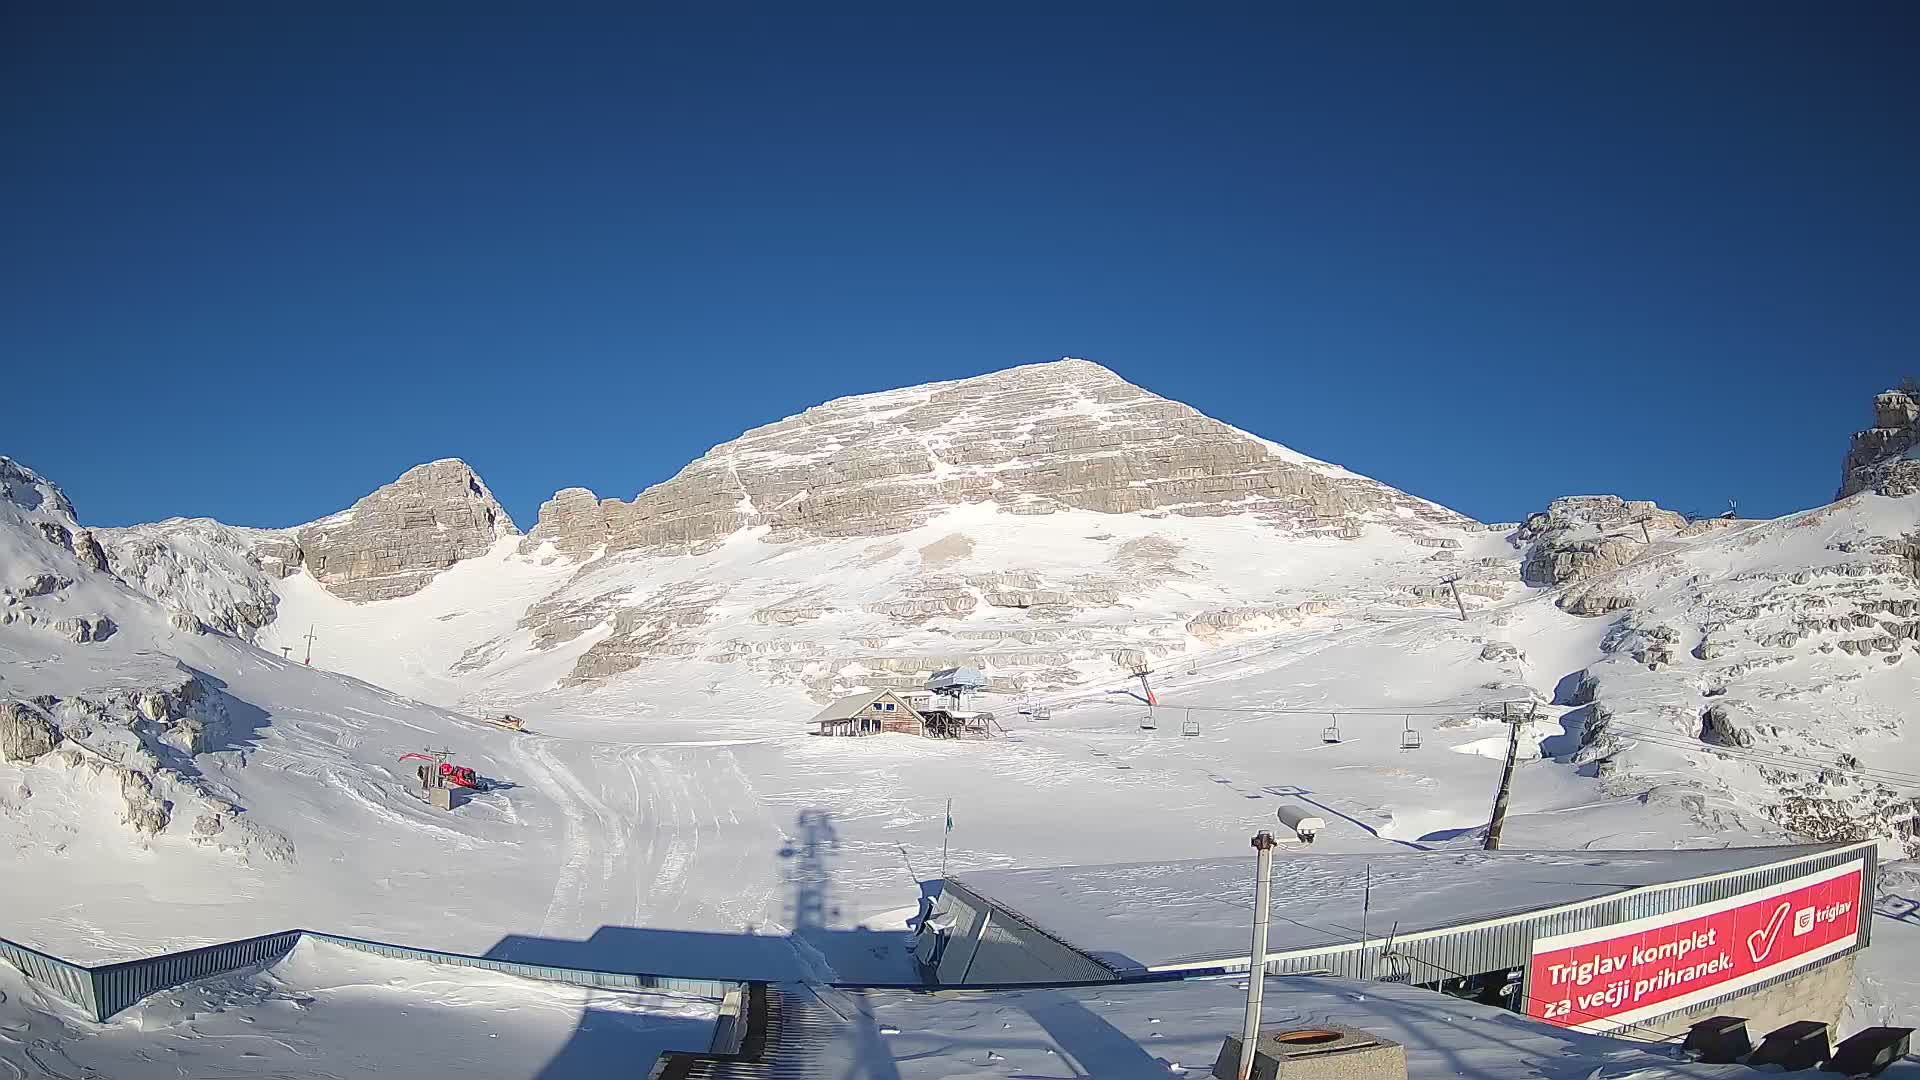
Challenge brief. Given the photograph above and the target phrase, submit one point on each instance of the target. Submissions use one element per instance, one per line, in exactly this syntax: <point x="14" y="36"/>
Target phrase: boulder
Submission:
<point x="25" y="733"/>
<point x="146" y="811"/>
<point x="82" y="629"/>
<point x="43" y="585"/>
<point x="87" y="549"/>
<point x="1717" y="727"/>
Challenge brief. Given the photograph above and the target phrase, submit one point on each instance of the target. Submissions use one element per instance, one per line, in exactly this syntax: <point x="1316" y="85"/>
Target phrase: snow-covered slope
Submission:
<point x="1790" y="645"/>
<point x="667" y="653"/>
<point x="195" y="787"/>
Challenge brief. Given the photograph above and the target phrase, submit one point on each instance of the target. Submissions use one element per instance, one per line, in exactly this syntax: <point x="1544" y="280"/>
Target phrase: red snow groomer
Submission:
<point x="438" y="772"/>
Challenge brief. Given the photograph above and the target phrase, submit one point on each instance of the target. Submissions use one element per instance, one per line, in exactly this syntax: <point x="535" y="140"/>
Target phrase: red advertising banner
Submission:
<point x="1614" y="975"/>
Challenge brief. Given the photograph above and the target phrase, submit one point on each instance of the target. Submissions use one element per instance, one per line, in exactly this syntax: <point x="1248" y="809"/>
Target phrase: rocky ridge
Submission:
<point x="394" y="541"/>
<point x="387" y="545"/>
<point x="1032" y="440"/>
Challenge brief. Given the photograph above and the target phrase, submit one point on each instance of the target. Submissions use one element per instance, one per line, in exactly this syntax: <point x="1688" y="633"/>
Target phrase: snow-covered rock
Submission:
<point x="1579" y="536"/>
<point x="1039" y="439"/>
<point x="25" y="732"/>
<point x="220" y="575"/>
<point x="1883" y="458"/>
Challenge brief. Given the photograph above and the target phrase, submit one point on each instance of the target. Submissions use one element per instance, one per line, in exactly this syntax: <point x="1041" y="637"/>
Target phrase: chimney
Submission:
<point x="1328" y="1052"/>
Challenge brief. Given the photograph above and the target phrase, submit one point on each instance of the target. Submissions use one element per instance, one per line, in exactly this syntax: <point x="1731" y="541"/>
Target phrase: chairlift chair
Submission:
<point x="1147" y="722"/>
<point x="1409" y="738"/>
<point x="1190" y="727"/>
<point x="1332" y="732"/>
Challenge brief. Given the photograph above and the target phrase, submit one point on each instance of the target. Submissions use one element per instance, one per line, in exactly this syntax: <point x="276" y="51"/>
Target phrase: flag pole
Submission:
<point x="943" y="840"/>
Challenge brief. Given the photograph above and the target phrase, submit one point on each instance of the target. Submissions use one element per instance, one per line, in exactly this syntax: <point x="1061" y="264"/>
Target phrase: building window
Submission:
<point x="888" y="706"/>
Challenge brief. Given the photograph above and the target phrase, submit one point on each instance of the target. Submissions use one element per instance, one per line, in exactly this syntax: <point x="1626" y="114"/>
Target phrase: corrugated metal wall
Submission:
<point x="70" y="981"/>
<point x="106" y="990"/>
<point x="123" y="985"/>
<point x="1014" y="952"/>
<point x="968" y="913"/>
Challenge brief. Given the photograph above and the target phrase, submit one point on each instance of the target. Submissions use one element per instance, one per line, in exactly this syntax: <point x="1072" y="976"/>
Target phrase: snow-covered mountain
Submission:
<point x="1052" y="523"/>
<point x="1688" y="682"/>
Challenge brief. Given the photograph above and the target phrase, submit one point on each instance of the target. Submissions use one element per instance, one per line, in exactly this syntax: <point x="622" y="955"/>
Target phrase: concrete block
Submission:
<point x="441" y="798"/>
<point x="1327" y="1052"/>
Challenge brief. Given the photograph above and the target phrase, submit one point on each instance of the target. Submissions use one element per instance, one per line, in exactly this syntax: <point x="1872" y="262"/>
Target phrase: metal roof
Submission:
<point x="1172" y="914"/>
<point x="849" y="707"/>
<point x="956" y="677"/>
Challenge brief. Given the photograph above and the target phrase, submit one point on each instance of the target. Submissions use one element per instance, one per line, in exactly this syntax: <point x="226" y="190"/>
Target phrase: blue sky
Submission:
<point x="256" y="266"/>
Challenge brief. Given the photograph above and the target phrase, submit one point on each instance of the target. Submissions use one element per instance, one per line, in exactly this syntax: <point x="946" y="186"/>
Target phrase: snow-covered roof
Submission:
<point x="1169" y="914"/>
<point x="956" y="676"/>
<point x="852" y="705"/>
<point x="1174" y="1029"/>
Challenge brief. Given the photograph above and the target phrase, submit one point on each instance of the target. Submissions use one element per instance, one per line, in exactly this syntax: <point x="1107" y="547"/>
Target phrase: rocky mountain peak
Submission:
<point x="33" y="493"/>
<point x="1885" y="458"/>
<point x="1036" y="439"/>
<point x="395" y="540"/>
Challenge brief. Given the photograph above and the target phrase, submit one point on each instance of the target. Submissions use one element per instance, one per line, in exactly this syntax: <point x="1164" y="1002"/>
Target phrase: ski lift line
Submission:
<point x="1397" y="710"/>
<point x="1091" y="693"/>
<point x="1785" y="761"/>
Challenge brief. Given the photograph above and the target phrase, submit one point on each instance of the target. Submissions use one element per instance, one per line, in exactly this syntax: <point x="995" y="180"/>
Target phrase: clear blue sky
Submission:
<point x="253" y="267"/>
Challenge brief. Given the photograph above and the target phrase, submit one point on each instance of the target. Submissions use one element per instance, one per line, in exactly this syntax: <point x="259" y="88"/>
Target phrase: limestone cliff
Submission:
<point x="1032" y="440"/>
<point x="1885" y="458"/>
<point x="395" y="540"/>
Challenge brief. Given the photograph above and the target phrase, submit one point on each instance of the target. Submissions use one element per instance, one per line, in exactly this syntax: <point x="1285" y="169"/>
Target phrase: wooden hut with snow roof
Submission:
<point x="870" y="713"/>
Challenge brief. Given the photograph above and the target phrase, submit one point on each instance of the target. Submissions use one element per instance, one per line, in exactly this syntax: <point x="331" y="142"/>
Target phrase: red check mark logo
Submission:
<point x="1760" y="942"/>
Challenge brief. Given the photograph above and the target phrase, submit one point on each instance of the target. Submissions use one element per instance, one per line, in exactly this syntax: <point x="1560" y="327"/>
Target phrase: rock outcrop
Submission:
<point x="218" y="575"/>
<point x="1039" y="439"/>
<point x="1583" y="535"/>
<point x="25" y="733"/>
<point x="82" y="629"/>
<point x="30" y="492"/>
<point x="1885" y="458"/>
<point x="394" y="541"/>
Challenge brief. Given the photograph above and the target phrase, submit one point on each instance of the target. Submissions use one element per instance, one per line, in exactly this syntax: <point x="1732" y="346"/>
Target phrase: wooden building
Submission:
<point x="870" y="713"/>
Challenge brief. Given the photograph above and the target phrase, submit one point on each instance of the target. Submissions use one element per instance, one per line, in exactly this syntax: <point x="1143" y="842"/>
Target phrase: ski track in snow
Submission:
<point x="607" y="874"/>
<point x="563" y="910"/>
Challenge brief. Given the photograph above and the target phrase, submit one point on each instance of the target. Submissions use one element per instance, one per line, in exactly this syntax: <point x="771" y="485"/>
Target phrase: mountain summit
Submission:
<point x="1031" y="440"/>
